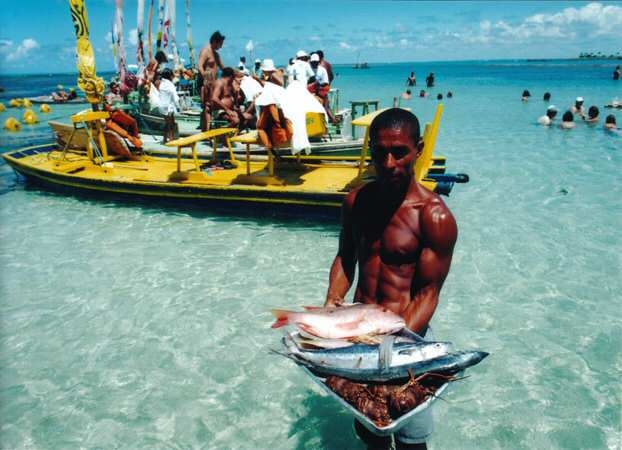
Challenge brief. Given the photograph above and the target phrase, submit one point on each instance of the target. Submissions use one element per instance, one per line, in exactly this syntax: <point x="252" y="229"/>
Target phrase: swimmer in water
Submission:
<point x="547" y="119"/>
<point x="567" y="121"/>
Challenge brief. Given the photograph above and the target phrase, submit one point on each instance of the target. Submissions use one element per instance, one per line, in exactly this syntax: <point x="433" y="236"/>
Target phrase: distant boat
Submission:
<point x="360" y="65"/>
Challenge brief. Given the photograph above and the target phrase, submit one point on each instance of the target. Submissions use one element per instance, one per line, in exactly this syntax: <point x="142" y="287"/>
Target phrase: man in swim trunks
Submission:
<point x="209" y="63"/>
<point x="401" y="237"/>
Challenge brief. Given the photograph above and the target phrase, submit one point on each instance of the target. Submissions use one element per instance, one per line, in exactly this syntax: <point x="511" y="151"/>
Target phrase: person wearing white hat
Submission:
<point x="578" y="107"/>
<point x="302" y="70"/>
<point x="547" y="119"/>
<point x="257" y="67"/>
<point x="269" y="73"/>
<point x="242" y="66"/>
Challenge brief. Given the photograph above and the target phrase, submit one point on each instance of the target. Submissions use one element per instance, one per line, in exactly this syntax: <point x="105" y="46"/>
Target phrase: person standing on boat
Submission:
<point x="242" y="66"/>
<point x="209" y="63"/>
<point x="401" y="237"/>
<point x="301" y="71"/>
<point x="320" y="85"/>
<point x="168" y="103"/>
<point x="325" y="64"/>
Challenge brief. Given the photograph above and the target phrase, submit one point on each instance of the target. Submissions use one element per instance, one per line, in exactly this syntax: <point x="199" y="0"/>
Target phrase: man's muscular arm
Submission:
<point x="342" y="270"/>
<point x="439" y="233"/>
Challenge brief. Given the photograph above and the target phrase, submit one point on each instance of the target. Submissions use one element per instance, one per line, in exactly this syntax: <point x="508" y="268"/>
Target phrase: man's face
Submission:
<point x="394" y="155"/>
<point x="218" y="44"/>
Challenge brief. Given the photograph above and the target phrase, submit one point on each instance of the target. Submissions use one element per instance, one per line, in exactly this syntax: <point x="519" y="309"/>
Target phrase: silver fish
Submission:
<point x="363" y="356"/>
<point x="450" y="363"/>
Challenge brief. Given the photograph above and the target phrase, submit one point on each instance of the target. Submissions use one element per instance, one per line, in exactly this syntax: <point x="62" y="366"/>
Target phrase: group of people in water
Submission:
<point x="591" y="116"/>
<point x="412" y="81"/>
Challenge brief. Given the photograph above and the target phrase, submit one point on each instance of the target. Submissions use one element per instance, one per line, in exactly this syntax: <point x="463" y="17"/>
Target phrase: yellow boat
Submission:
<point x="297" y="183"/>
<point x="291" y="184"/>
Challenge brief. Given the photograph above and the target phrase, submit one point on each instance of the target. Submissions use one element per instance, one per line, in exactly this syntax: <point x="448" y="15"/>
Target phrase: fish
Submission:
<point x="448" y="364"/>
<point x="403" y="350"/>
<point x="342" y="322"/>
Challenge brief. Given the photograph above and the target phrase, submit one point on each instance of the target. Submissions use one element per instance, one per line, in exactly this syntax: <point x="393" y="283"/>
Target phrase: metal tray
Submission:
<point x="395" y="425"/>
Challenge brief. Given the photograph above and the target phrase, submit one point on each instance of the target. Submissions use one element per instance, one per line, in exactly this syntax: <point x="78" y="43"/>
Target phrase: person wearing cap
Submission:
<point x="270" y="74"/>
<point x="319" y="84"/>
<point x="302" y="70"/>
<point x="257" y="67"/>
<point x="547" y="119"/>
<point x="578" y="108"/>
<point x="209" y="63"/>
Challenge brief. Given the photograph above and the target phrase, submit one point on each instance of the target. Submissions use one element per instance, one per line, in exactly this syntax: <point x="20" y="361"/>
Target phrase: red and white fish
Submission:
<point x="342" y="322"/>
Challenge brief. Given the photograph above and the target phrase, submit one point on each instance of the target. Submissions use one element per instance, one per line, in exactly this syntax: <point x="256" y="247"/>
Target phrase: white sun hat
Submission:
<point x="579" y="99"/>
<point x="268" y="65"/>
<point x="315" y="57"/>
<point x="301" y="54"/>
<point x="552" y="108"/>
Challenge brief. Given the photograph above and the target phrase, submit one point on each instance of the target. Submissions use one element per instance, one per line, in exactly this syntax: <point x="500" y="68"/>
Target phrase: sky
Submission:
<point x="37" y="36"/>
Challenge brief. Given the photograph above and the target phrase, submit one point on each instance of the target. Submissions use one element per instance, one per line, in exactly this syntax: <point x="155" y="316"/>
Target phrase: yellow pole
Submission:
<point x="88" y="81"/>
<point x="430" y="135"/>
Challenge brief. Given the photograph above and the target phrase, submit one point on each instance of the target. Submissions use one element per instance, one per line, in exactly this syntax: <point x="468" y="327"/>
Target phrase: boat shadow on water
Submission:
<point x="318" y="219"/>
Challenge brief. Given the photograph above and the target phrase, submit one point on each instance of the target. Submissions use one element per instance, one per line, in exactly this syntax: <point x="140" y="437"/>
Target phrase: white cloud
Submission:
<point x="346" y="46"/>
<point x="403" y="43"/>
<point x="133" y="37"/>
<point x="108" y="37"/>
<point x="21" y="51"/>
<point x="593" y="19"/>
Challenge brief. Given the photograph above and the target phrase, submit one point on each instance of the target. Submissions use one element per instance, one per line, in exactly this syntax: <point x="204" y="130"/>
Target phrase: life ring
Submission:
<point x="45" y="108"/>
<point x="2" y="107"/>
<point x="12" y="124"/>
<point x="16" y="103"/>
<point x="30" y="117"/>
<point x="26" y="103"/>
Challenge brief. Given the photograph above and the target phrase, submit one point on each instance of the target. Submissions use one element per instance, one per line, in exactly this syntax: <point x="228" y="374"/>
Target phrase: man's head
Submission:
<point x="568" y="117"/>
<point x="227" y="72"/>
<point x="551" y="112"/>
<point x="320" y="53"/>
<point x="243" y="59"/>
<point x="314" y="60"/>
<point x="302" y="55"/>
<point x="610" y="119"/>
<point x="160" y="57"/>
<point x="217" y="40"/>
<point x="593" y="112"/>
<point x="167" y="74"/>
<point x="395" y="142"/>
<point x="579" y="102"/>
<point x="257" y="63"/>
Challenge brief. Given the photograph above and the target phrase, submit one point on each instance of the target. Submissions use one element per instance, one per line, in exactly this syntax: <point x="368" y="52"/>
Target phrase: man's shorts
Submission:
<point x="416" y="431"/>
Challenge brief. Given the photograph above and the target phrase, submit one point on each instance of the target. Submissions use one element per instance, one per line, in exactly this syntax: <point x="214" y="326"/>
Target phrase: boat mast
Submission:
<point x="120" y="44"/>
<point x="172" y="15"/>
<point x="140" y="19"/>
<point x="150" y="33"/>
<point x="189" y="35"/>
<point x="88" y="81"/>
<point x="160" y="24"/>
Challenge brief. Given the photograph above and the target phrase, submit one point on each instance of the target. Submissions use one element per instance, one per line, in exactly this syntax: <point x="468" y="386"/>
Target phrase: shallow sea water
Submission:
<point x="128" y="325"/>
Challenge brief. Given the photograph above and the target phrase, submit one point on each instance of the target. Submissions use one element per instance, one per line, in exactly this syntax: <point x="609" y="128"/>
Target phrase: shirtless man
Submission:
<point x="224" y="95"/>
<point x="401" y="236"/>
<point x="209" y="63"/>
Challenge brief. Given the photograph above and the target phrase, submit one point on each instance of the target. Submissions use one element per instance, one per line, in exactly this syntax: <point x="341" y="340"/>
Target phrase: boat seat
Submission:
<point x="316" y="126"/>
<point x="192" y="141"/>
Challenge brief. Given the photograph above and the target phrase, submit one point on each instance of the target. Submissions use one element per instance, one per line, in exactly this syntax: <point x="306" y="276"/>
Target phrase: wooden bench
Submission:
<point x="192" y="142"/>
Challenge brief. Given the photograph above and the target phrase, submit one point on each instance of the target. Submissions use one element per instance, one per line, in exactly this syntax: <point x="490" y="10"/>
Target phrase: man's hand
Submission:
<point x="333" y="300"/>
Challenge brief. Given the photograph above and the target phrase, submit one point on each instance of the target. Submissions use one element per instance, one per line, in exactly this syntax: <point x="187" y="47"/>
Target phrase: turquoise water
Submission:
<point x="126" y="325"/>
